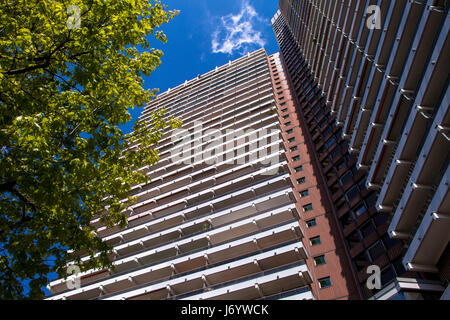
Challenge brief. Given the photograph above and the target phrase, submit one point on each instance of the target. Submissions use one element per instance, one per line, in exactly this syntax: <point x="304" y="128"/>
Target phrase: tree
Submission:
<point x="69" y="72"/>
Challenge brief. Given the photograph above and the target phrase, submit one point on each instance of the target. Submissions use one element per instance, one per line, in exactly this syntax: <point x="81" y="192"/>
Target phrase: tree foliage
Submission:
<point x="64" y="93"/>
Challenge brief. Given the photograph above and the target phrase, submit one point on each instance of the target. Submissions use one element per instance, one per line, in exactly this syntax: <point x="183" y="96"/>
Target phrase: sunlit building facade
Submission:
<point x="230" y="205"/>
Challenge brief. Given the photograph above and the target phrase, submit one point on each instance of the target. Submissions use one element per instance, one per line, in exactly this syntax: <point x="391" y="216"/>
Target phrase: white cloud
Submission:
<point x="237" y="32"/>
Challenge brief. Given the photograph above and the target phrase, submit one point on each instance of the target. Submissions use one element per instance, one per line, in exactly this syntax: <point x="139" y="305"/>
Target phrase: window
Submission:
<point x="291" y="139"/>
<point x="335" y="153"/>
<point x="340" y="164"/>
<point x="299" y="169"/>
<point x="304" y="193"/>
<point x="311" y="223"/>
<point x="284" y="110"/>
<point x="280" y="92"/>
<point x="330" y="142"/>
<point x="282" y="104"/>
<point x="324" y="282"/>
<point x="367" y="229"/>
<point x="307" y="207"/>
<point x="285" y="116"/>
<point x="352" y="193"/>
<point x="353" y="239"/>
<point x="296" y="158"/>
<point x="327" y="131"/>
<point x="376" y="250"/>
<point x="280" y="98"/>
<point x="290" y="131"/>
<point x="347" y="219"/>
<point x="287" y="123"/>
<point x="398" y="266"/>
<point x="361" y="261"/>
<point x="346" y="178"/>
<point x="301" y="180"/>
<point x="319" y="260"/>
<point x="359" y="210"/>
<point x="294" y="148"/>
<point x="387" y="274"/>
<point x="315" y="240"/>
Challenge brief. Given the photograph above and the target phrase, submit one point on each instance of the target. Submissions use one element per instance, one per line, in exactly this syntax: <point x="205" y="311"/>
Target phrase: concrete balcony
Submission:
<point x="387" y="40"/>
<point x="199" y="214"/>
<point x="270" y="282"/>
<point x="218" y="230"/>
<point x="355" y="103"/>
<point x="416" y="126"/>
<point x="391" y="133"/>
<point x="427" y="31"/>
<point x="365" y="111"/>
<point x="213" y="263"/>
<point x="426" y="172"/>
<point x="433" y="234"/>
<point x="303" y="293"/>
<point x="408" y="289"/>
<point x="403" y="41"/>
<point x="200" y="199"/>
<point x="377" y="122"/>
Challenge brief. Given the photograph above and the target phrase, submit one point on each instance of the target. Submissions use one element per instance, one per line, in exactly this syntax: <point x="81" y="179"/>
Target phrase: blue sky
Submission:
<point x="209" y="33"/>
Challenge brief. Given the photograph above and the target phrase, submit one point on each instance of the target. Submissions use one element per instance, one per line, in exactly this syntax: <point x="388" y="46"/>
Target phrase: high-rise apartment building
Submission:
<point x="302" y="174"/>
<point x="370" y="84"/>
<point x="233" y="206"/>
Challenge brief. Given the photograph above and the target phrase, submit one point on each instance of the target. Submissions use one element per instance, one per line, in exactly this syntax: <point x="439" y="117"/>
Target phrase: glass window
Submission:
<point x="376" y="250"/>
<point x="290" y="131"/>
<point x="399" y="267"/>
<point x="387" y="274"/>
<point x="324" y="282"/>
<point x="307" y="207"/>
<point x="330" y="142"/>
<point x="352" y="193"/>
<point x="287" y="124"/>
<point x="367" y="229"/>
<point x="294" y="148"/>
<point x="335" y="153"/>
<point x="296" y="158"/>
<point x="346" y="177"/>
<point x="291" y="139"/>
<point x="311" y="223"/>
<point x="361" y="261"/>
<point x="301" y="180"/>
<point x="304" y="193"/>
<point x="326" y="132"/>
<point x="299" y="169"/>
<point x="315" y="240"/>
<point x="319" y="260"/>
<point x="347" y="219"/>
<point x="353" y="239"/>
<point x="360" y="209"/>
<point x="340" y="164"/>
